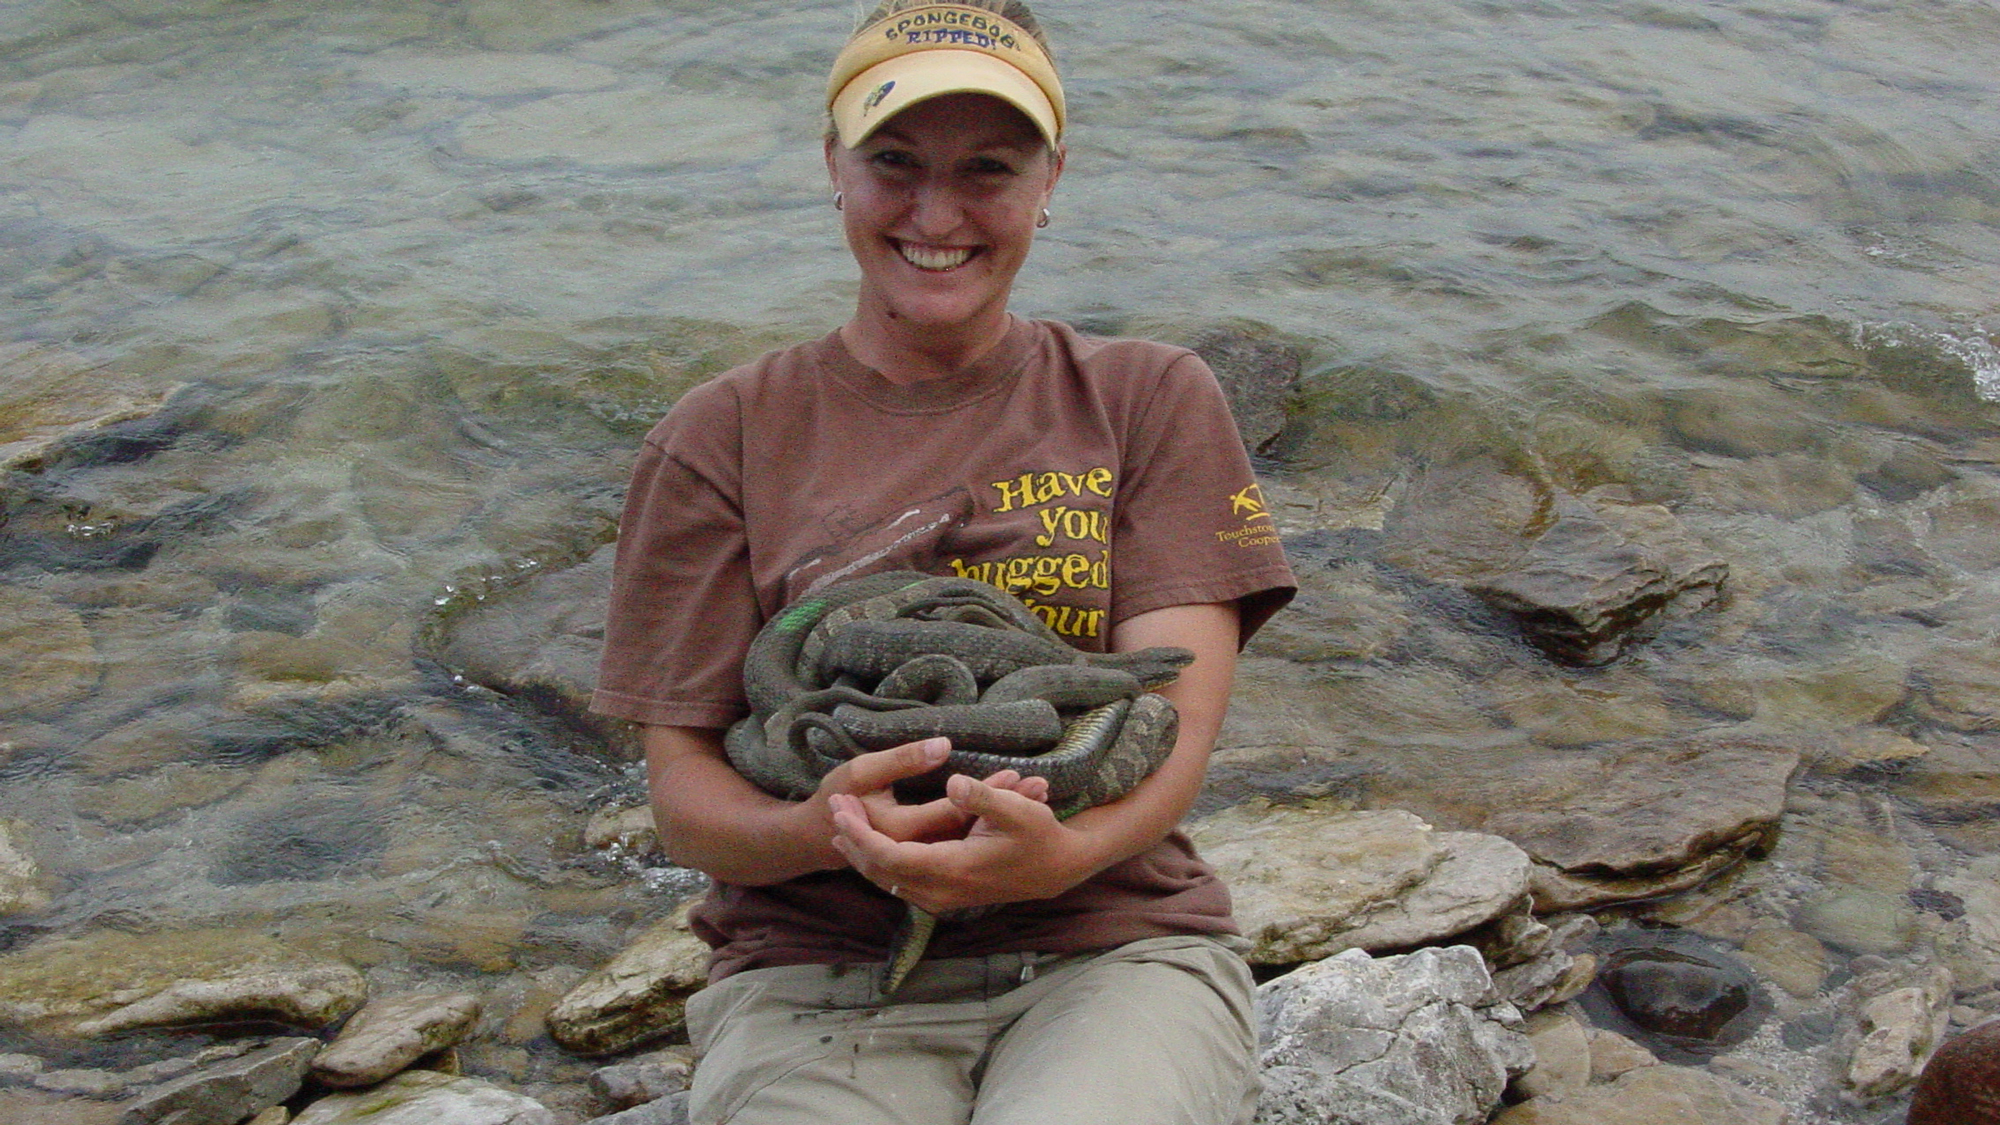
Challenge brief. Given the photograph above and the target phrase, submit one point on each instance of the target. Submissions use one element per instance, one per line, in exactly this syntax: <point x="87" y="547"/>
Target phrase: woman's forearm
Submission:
<point x="711" y="819"/>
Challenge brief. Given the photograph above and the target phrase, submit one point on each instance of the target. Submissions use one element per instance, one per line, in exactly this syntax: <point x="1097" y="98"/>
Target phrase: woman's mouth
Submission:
<point x="936" y="259"/>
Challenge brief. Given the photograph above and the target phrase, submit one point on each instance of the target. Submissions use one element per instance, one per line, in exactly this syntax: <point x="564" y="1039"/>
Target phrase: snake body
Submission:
<point x="891" y="658"/>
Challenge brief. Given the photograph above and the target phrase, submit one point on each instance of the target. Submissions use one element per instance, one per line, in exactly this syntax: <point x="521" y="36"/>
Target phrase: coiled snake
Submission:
<point x="890" y="658"/>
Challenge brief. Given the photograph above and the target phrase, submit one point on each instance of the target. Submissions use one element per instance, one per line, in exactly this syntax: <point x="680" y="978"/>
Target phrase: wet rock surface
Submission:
<point x="228" y="1092"/>
<point x="391" y="1032"/>
<point x="1961" y="1082"/>
<point x="638" y="996"/>
<point x="1685" y="1000"/>
<point x="423" y="1097"/>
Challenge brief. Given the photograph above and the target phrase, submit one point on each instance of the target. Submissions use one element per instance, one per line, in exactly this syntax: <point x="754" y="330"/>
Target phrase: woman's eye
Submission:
<point x="893" y="158"/>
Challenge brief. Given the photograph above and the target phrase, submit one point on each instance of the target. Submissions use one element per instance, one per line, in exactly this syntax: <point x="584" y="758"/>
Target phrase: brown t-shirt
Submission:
<point x="1097" y="479"/>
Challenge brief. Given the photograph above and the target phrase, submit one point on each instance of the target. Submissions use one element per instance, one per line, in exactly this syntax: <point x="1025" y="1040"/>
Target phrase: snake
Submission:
<point x="895" y="657"/>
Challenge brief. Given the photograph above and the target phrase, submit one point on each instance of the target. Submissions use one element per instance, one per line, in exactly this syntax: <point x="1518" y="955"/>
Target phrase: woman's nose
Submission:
<point x="936" y="209"/>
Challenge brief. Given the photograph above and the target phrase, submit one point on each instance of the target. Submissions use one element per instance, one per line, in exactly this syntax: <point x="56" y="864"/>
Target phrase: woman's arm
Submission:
<point x="1016" y="849"/>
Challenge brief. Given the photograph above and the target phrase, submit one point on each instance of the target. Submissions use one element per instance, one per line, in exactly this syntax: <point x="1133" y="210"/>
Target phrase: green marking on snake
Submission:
<point x="821" y="674"/>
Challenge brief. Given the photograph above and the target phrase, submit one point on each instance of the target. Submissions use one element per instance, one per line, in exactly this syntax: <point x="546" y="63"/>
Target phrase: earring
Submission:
<point x="1044" y="220"/>
<point x="837" y="197"/>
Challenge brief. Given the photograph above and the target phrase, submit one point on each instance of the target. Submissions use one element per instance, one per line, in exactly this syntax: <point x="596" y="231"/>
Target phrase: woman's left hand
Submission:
<point x="1016" y="850"/>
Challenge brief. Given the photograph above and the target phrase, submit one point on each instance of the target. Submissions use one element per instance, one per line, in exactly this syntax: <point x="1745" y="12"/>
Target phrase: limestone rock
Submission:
<point x="631" y="829"/>
<point x="1259" y="374"/>
<point x="1600" y="575"/>
<point x="1309" y="881"/>
<point x="23" y="887"/>
<point x="1793" y="961"/>
<point x="670" y="1110"/>
<point x="1959" y="686"/>
<point x="645" y="1079"/>
<point x="1391" y="1041"/>
<point x="1976" y="945"/>
<point x="107" y="981"/>
<point x="425" y="1097"/>
<point x="1562" y="1055"/>
<point x="228" y="1092"/>
<point x="38" y="1107"/>
<point x="392" y="1032"/>
<point x="1611" y="1055"/>
<point x="1960" y="1084"/>
<point x="1899" y="1030"/>
<point x="1647" y="816"/>
<point x="639" y="995"/>
<point x="1653" y="1095"/>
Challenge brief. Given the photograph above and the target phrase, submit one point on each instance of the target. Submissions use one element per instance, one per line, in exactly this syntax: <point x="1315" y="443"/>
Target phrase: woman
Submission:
<point x="1102" y="481"/>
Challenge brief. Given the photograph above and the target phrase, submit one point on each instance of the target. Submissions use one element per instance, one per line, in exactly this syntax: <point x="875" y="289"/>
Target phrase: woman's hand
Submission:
<point x="1013" y="849"/>
<point x="868" y="779"/>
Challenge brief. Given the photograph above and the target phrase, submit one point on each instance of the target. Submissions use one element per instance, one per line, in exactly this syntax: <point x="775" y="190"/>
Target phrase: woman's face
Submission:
<point x="940" y="206"/>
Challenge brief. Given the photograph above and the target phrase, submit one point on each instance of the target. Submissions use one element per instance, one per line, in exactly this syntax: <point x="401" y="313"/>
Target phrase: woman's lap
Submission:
<point x="1157" y="1032"/>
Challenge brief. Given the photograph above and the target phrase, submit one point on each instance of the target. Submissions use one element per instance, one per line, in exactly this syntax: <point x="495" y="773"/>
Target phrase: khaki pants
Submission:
<point x="1157" y="1032"/>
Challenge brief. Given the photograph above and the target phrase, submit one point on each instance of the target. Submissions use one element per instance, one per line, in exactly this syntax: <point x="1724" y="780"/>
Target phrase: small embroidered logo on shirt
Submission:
<point x="1250" y="501"/>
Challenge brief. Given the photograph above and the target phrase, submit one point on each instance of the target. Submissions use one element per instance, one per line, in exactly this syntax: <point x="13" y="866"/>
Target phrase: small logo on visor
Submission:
<point x="874" y="99"/>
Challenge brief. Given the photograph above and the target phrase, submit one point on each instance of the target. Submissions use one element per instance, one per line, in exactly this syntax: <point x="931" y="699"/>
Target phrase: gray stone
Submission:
<point x="1600" y="575"/>
<point x="1392" y="1041"/>
<point x="392" y="1032"/>
<point x="1899" y="1030"/>
<point x="85" y="1083"/>
<point x="1562" y="1055"/>
<point x="425" y="1097"/>
<point x="1311" y="880"/>
<point x="670" y="1110"/>
<point x="227" y="1092"/>
<point x="1259" y="374"/>
<point x="23" y="887"/>
<point x="645" y="1079"/>
<point x="47" y="657"/>
<point x="311" y="997"/>
<point x="19" y="1068"/>
<point x="639" y="995"/>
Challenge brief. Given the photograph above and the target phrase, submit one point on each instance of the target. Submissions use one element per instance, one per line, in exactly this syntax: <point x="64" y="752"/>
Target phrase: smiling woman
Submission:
<point x="1102" y="481"/>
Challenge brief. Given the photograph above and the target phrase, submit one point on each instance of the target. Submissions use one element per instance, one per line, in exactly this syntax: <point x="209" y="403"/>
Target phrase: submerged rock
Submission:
<point x="1675" y="993"/>
<point x="391" y="1033"/>
<point x="1407" y="1040"/>
<point x="1600" y="575"/>
<point x="645" y="1079"/>
<point x="23" y="887"/>
<point x="1259" y="373"/>
<point x="108" y="982"/>
<point x="1899" y="1030"/>
<point x="1309" y="881"/>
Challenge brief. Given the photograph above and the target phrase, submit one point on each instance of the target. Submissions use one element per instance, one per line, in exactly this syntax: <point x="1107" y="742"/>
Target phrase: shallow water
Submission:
<point x="355" y="311"/>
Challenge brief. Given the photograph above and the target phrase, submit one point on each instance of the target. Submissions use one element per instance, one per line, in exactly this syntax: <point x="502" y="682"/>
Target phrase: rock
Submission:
<point x="670" y="1110"/>
<point x="1899" y="1030"/>
<point x="390" y="1033"/>
<point x="1646" y="816"/>
<point x="49" y="395"/>
<point x="1552" y="978"/>
<point x="1672" y="991"/>
<point x="1960" y="1085"/>
<point x="638" y="996"/>
<point x="1611" y="1055"/>
<point x="1974" y="948"/>
<point x="106" y="981"/>
<point x="1653" y="1095"/>
<point x="85" y="1083"/>
<point x="1861" y="921"/>
<point x="38" y="1107"/>
<point x="1601" y="575"/>
<point x="1562" y="1055"/>
<point x="1311" y="880"/>
<point x="645" y="1079"/>
<point x="1793" y="961"/>
<point x="425" y="1097"/>
<point x="47" y="657"/>
<point x="1958" y="686"/>
<point x="629" y="829"/>
<point x="276" y="1115"/>
<point x="1391" y="1041"/>
<point x="16" y="1068"/>
<point x="23" y="887"/>
<point x="227" y="1092"/>
<point x="1259" y="375"/>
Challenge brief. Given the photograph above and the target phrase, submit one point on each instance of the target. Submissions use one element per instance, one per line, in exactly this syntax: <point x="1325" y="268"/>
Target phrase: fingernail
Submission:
<point x="936" y="749"/>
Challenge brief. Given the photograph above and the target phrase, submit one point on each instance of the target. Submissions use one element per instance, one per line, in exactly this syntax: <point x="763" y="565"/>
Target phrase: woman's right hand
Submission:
<point x="870" y="778"/>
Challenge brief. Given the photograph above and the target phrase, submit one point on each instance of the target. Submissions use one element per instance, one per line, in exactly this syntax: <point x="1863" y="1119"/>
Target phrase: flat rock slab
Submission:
<point x="392" y="1032"/>
<point x="1309" y="881"/>
<point x="640" y="994"/>
<point x="425" y="1097"/>
<point x="230" y="1091"/>
<point x="1600" y="574"/>
<point x="1409" y="1040"/>
<point x="23" y="887"/>
<point x="107" y="982"/>
<point x="1641" y="813"/>
<point x="1652" y="1095"/>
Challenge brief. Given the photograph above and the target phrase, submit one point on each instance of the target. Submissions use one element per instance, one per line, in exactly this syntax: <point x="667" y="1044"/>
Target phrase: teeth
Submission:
<point x="934" y="257"/>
